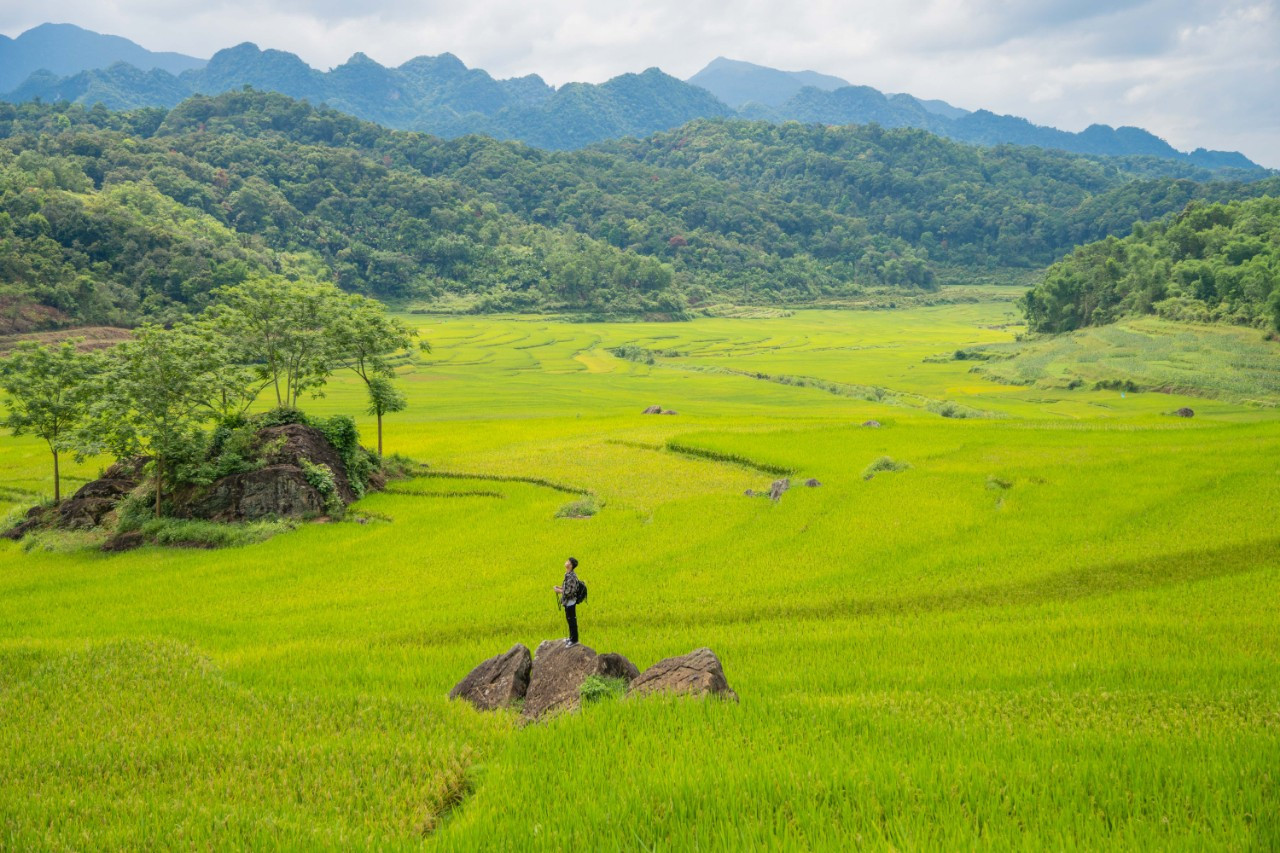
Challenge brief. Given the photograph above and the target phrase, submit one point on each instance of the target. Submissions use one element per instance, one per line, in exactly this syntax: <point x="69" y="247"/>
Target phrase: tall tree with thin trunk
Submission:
<point x="48" y="395"/>
<point x="364" y="339"/>
<point x="384" y="398"/>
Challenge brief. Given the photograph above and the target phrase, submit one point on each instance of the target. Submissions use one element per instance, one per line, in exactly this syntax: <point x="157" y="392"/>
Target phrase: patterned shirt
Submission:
<point x="569" y="589"/>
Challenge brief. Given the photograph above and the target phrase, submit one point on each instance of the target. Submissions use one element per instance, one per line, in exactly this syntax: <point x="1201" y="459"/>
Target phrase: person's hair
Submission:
<point x="573" y="561"/>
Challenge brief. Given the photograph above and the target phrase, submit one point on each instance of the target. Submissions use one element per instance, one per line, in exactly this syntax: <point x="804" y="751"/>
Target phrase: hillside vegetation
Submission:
<point x="1217" y="262"/>
<point x="110" y="217"/>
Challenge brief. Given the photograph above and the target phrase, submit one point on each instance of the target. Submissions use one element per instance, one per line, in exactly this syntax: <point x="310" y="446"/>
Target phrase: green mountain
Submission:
<point x="113" y="216"/>
<point x="65" y="49"/>
<point x="1210" y="262"/>
<point x="442" y="96"/>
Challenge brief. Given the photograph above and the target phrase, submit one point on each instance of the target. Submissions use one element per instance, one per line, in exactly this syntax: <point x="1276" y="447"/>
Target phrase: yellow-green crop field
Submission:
<point x="1059" y="627"/>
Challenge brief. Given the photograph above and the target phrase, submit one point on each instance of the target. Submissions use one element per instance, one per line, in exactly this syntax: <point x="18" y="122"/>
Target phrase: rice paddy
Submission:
<point x="1052" y="621"/>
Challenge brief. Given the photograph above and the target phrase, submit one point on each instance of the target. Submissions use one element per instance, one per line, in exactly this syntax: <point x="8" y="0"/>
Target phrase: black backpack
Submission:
<point x="582" y="591"/>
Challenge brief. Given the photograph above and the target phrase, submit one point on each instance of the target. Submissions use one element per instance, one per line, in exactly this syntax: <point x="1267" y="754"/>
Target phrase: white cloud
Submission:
<point x="1197" y="72"/>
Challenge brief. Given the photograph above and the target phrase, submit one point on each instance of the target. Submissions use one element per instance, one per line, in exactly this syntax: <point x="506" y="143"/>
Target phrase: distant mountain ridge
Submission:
<point x="65" y="49"/>
<point x="441" y="95"/>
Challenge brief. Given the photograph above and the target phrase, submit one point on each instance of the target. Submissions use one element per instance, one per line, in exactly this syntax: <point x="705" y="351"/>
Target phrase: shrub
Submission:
<point x="884" y="463"/>
<point x="196" y="533"/>
<point x="597" y="687"/>
<point x="583" y="508"/>
<point x="320" y="477"/>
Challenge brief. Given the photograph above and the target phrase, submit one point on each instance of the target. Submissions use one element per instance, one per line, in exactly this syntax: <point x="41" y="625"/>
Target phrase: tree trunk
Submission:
<point x="379" y="435"/>
<point x="57" y="488"/>
<point x="159" y="481"/>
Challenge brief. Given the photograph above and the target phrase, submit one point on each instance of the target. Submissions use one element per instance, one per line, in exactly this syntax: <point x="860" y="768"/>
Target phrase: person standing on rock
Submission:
<point x="568" y="590"/>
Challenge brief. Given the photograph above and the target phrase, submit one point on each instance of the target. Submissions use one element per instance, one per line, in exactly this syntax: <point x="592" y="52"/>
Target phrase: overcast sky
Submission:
<point x="1196" y="72"/>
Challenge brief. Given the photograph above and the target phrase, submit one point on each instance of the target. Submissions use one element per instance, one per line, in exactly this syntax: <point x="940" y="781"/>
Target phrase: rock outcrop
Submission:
<point x="652" y="410"/>
<point x="558" y="673"/>
<point x="1184" y="412"/>
<point x="778" y="487"/>
<point x="277" y="486"/>
<point x="553" y="682"/>
<point x="498" y="682"/>
<point x="697" y="673"/>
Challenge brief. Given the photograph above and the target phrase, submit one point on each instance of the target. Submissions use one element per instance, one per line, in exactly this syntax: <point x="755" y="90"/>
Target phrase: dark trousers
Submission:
<point x="571" y="617"/>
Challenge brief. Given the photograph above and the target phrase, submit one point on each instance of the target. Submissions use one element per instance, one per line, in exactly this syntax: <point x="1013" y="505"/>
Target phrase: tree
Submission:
<point x="383" y="399"/>
<point x="281" y="328"/>
<point x="48" y="395"/>
<point x="364" y="338"/>
<point x="155" y="399"/>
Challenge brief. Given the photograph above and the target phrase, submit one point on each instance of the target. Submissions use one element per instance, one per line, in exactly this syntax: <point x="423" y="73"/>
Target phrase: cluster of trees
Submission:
<point x="166" y="391"/>
<point x="1211" y="262"/>
<point x="140" y="213"/>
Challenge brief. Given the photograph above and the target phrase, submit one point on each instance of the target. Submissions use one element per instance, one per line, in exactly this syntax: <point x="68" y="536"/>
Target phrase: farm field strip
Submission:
<point x="1056" y="627"/>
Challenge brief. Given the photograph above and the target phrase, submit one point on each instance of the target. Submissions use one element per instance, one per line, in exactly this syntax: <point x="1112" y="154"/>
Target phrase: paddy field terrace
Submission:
<point x="1057" y="627"/>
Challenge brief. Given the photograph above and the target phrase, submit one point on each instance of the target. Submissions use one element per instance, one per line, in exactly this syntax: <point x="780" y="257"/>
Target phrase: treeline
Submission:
<point x="178" y="395"/>
<point x="249" y="183"/>
<point x="1210" y="262"/>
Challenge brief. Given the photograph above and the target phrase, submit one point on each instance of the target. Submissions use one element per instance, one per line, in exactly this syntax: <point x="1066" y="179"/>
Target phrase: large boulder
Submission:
<point x="558" y="673"/>
<point x="279" y="488"/>
<point x="289" y="444"/>
<point x="276" y="490"/>
<point x="698" y="672"/>
<point x="613" y="665"/>
<point x="498" y="682"/>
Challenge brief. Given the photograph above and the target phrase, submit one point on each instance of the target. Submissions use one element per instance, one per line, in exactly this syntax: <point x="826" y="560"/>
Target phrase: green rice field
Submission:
<point x="1059" y="627"/>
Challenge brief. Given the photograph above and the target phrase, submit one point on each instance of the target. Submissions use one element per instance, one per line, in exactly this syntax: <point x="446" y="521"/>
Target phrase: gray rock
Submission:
<point x="124" y="541"/>
<point x="670" y="412"/>
<point x="613" y="665"/>
<point x="652" y="410"/>
<point x="1184" y="412"/>
<point x="498" y="682"/>
<point x="871" y="424"/>
<point x="558" y="673"/>
<point x="812" y="482"/>
<point x="697" y="673"/>
<point x="778" y="487"/>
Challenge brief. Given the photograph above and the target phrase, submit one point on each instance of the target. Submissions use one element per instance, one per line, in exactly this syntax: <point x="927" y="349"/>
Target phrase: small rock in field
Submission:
<point x="778" y="487"/>
<point x="652" y="410"/>
<point x="1184" y="412"/>
<point x="670" y="412"/>
<point x="124" y="541"/>
<point x="812" y="482"/>
<point x="871" y="424"/>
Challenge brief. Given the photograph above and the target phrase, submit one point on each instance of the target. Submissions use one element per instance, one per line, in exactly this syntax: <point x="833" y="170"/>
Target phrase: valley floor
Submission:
<point x="1059" y="627"/>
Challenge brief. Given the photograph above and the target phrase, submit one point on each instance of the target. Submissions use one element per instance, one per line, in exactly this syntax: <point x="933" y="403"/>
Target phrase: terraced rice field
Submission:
<point x="1057" y="628"/>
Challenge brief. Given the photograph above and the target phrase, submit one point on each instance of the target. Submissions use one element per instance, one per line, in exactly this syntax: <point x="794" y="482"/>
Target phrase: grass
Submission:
<point x="1059" y="629"/>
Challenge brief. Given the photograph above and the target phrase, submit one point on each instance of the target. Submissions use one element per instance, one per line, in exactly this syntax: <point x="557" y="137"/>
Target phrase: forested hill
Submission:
<point x="108" y="217"/>
<point x="1216" y="262"/>
<point x="441" y="95"/>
